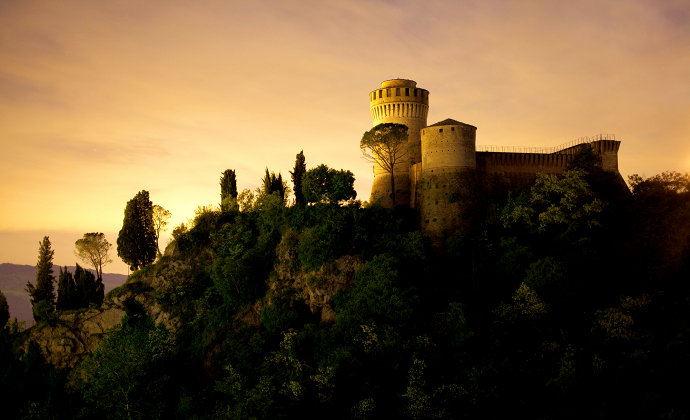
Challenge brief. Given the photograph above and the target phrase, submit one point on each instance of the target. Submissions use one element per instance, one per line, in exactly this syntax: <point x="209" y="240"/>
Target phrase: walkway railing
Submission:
<point x="565" y="148"/>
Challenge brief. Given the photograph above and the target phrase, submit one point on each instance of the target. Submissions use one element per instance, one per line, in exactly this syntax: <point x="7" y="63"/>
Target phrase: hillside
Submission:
<point x="568" y="301"/>
<point x="13" y="280"/>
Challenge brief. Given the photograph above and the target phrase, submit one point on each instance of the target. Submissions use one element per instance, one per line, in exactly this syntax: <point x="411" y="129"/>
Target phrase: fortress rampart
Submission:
<point x="443" y="168"/>
<point x="399" y="101"/>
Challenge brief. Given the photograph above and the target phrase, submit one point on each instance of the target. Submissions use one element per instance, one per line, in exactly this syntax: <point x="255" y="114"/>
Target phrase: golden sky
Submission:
<point x="101" y="99"/>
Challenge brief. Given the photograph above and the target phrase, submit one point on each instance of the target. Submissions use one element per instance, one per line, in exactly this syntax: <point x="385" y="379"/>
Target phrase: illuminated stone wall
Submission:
<point x="446" y="188"/>
<point x="398" y="101"/>
<point x="442" y="174"/>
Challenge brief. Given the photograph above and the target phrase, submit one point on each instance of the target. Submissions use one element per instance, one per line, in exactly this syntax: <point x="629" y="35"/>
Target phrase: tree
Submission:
<point x="125" y="376"/>
<point x="297" y="174"/>
<point x="324" y="184"/>
<point x="80" y="290"/>
<point x="93" y="248"/>
<point x="89" y="289"/>
<point x="274" y="184"/>
<point x="67" y="291"/>
<point x="562" y="205"/>
<point x="160" y="221"/>
<point x="43" y="292"/>
<point x="385" y="145"/>
<point x="4" y="311"/>
<point x="228" y="188"/>
<point x="136" y="242"/>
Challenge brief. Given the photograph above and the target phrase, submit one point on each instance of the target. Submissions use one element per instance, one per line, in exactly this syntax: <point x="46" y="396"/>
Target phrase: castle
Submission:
<point x="441" y="163"/>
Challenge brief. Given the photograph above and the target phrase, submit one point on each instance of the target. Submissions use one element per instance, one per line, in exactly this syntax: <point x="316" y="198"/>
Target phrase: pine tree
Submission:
<point x="297" y="174"/>
<point x="136" y="242"/>
<point x="93" y="248"/>
<point x="43" y="292"/>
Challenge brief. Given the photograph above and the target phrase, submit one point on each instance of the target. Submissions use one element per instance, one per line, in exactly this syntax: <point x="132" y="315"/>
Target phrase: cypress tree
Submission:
<point x="228" y="189"/>
<point x="273" y="184"/>
<point x="228" y="184"/>
<point x="297" y="174"/>
<point x="43" y="292"/>
<point x="67" y="291"/>
<point x="136" y="242"/>
<point x="86" y="287"/>
<point x="4" y="311"/>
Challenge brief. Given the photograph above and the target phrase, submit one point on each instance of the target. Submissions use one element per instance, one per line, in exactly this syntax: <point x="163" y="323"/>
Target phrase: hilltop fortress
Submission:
<point x="442" y="166"/>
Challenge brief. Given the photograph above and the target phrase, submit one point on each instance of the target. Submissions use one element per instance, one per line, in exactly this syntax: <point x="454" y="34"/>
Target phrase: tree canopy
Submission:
<point x="43" y="292"/>
<point x="160" y="221"/>
<point x="136" y="242"/>
<point x="386" y="146"/>
<point x="326" y="185"/>
<point x="297" y="174"/>
<point x="274" y="184"/>
<point x="4" y="311"/>
<point x="228" y="189"/>
<point x="94" y="249"/>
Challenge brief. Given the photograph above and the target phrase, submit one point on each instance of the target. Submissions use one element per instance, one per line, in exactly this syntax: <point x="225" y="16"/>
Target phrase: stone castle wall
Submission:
<point x="442" y="172"/>
<point x="446" y="186"/>
<point x="398" y="101"/>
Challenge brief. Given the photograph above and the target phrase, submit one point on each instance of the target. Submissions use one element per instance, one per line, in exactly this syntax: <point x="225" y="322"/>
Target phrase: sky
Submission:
<point x="102" y="99"/>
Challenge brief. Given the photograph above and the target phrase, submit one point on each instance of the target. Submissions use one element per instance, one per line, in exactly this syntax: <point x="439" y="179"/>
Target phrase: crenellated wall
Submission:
<point x="443" y="174"/>
<point x="520" y="169"/>
<point x="398" y="101"/>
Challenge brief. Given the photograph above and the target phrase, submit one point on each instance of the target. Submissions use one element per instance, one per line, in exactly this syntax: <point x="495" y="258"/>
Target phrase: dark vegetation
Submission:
<point x="570" y="300"/>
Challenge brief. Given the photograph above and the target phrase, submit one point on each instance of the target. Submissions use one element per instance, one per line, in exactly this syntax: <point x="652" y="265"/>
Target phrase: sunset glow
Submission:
<point x="99" y="100"/>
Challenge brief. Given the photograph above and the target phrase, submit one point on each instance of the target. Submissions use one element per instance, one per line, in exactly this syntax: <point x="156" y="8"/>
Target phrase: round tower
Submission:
<point x="398" y="101"/>
<point x="448" y="177"/>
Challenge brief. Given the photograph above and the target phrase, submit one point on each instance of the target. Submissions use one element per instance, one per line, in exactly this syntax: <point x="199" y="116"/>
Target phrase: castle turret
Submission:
<point x="445" y="192"/>
<point x="399" y="101"/>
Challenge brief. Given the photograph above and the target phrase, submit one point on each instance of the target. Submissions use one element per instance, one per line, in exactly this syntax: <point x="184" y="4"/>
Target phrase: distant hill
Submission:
<point x="13" y="278"/>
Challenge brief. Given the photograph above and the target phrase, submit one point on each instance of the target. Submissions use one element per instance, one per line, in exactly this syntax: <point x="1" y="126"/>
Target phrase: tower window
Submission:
<point x="380" y="93"/>
<point x="388" y="92"/>
<point x="440" y="130"/>
<point x="407" y="91"/>
<point x="452" y="129"/>
<point x="415" y="92"/>
<point x="397" y="91"/>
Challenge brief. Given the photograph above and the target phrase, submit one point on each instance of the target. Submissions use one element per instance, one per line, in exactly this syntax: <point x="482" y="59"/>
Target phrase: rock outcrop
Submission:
<point x="74" y="335"/>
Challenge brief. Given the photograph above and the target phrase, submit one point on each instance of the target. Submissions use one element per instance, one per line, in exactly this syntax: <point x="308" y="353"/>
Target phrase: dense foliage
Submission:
<point x="43" y="292"/>
<point x="385" y="145"/>
<point x="79" y="290"/>
<point x="570" y="300"/>
<point x="326" y="185"/>
<point x="228" y="188"/>
<point x="136" y="242"/>
<point x="296" y="174"/>
<point x="93" y="248"/>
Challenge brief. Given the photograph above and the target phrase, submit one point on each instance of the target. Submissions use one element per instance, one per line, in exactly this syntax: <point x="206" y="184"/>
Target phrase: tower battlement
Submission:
<point x="443" y="165"/>
<point x="399" y="101"/>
